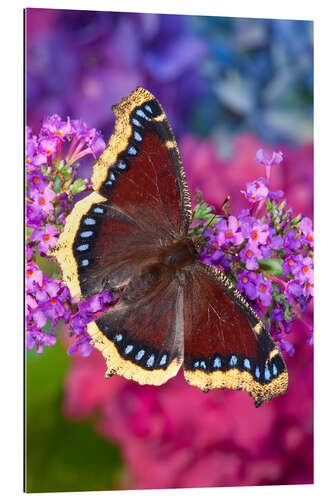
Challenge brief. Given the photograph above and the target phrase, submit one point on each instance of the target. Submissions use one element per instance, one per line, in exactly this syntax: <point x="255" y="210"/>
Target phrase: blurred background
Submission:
<point x="229" y="86"/>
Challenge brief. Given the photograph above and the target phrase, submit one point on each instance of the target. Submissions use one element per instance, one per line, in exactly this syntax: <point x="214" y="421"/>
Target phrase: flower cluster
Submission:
<point x="266" y="251"/>
<point x="51" y="164"/>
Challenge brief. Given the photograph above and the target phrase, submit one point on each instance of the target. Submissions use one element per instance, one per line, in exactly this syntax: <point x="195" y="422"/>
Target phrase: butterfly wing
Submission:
<point x="140" y="202"/>
<point x="225" y="343"/>
<point x="143" y="341"/>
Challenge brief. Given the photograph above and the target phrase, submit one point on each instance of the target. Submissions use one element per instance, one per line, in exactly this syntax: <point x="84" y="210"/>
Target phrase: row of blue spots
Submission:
<point x="88" y="221"/>
<point x="140" y="354"/>
<point x="217" y="364"/>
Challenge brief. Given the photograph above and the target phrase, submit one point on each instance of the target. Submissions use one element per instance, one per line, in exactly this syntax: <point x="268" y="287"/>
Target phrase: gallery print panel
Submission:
<point x="169" y="251"/>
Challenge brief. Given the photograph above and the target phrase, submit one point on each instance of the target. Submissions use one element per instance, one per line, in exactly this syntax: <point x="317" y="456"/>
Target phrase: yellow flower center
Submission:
<point x="305" y="269"/>
<point x="30" y="272"/>
<point x="308" y="285"/>
<point x="53" y="302"/>
<point x="28" y="160"/>
<point x="245" y="279"/>
<point x="254" y="235"/>
<point x="42" y="201"/>
<point x="46" y="237"/>
<point x="310" y="237"/>
<point x="290" y="262"/>
<point x="249" y="253"/>
<point x="228" y="234"/>
<point x="48" y="151"/>
<point x="58" y="132"/>
<point x="262" y="288"/>
<point x="253" y="197"/>
<point x="35" y="180"/>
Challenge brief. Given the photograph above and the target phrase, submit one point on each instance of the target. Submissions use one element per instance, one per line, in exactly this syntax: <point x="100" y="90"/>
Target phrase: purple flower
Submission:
<point x="34" y="216"/>
<point x="47" y="147"/>
<point x="228" y="232"/>
<point x="37" y="180"/>
<point x="256" y="233"/>
<point x="307" y="231"/>
<point x="39" y="317"/>
<point x="29" y="251"/>
<point x="277" y="314"/>
<point x="304" y="272"/>
<point x="291" y="264"/>
<point x="263" y="158"/>
<point x="33" y="275"/>
<point x="275" y="195"/>
<point x="247" y="284"/>
<point x="47" y="237"/>
<point x="249" y="256"/>
<point x="264" y="290"/>
<point x="43" y="200"/>
<point x="256" y="190"/>
<point x="292" y="290"/>
<point x="83" y="343"/>
<point x="54" y="127"/>
<point x="291" y="240"/>
<point x="36" y="337"/>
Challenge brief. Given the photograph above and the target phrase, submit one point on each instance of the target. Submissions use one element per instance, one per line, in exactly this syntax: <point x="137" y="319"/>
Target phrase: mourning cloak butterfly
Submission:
<point x="131" y="235"/>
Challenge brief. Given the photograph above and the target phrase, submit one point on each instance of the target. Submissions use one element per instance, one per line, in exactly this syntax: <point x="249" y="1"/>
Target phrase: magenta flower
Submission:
<point x="47" y="237"/>
<point x="256" y="190"/>
<point x="264" y="290"/>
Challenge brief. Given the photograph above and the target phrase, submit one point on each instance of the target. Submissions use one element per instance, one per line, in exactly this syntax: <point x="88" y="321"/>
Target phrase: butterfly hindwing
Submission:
<point x="225" y="343"/>
<point x="143" y="340"/>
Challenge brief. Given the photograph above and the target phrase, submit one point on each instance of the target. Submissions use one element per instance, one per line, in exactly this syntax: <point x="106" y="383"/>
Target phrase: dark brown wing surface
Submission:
<point x="143" y="341"/>
<point x="225" y="343"/>
<point x="139" y="204"/>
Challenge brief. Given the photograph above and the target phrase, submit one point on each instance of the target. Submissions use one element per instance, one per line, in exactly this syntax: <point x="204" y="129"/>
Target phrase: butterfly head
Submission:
<point x="200" y="243"/>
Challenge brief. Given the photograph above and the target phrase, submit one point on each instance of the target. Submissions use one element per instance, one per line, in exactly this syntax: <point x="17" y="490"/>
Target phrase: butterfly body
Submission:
<point x="131" y="235"/>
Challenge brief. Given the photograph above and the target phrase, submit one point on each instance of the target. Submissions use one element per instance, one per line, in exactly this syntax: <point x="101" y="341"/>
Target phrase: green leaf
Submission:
<point x="67" y="171"/>
<point x="57" y="184"/>
<point x="272" y="266"/>
<point x="78" y="186"/>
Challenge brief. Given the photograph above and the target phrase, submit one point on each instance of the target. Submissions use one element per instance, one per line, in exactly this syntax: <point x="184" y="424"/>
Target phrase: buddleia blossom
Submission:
<point x="271" y="262"/>
<point x="51" y="183"/>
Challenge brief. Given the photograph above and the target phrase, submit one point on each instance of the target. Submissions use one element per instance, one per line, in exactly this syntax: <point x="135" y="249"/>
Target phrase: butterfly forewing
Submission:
<point x="140" y="202"/>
